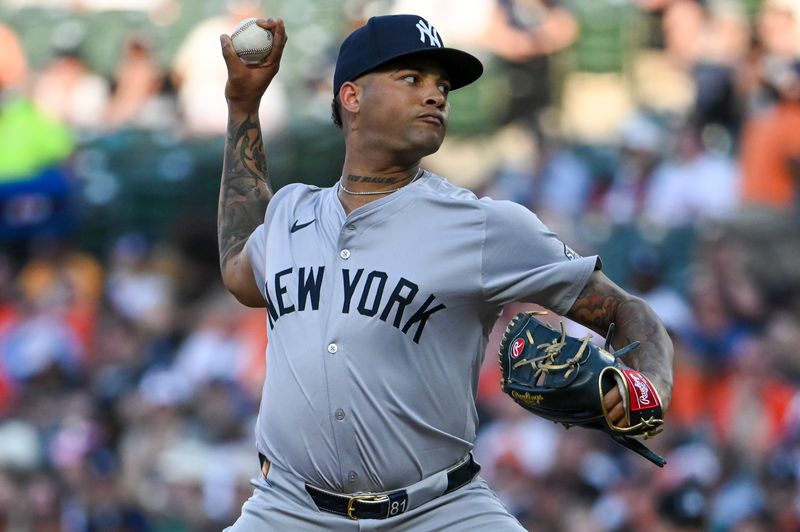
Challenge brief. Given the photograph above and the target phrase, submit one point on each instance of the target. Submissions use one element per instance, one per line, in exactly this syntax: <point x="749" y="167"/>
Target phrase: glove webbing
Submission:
<point x="544" y="363"/>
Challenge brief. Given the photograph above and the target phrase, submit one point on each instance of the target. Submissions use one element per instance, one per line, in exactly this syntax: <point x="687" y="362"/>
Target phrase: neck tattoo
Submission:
<point x="381" y="180"/>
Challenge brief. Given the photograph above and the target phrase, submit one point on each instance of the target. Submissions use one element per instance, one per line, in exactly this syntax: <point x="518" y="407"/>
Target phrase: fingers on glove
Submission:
<point x="615" y="407"/>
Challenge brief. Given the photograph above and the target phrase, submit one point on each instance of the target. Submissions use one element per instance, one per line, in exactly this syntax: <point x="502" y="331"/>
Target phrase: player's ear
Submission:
<point x="350" y="96"/>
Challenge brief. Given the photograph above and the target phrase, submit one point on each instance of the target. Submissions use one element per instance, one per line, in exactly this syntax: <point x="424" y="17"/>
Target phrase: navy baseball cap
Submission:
<point x="389" y="37"/>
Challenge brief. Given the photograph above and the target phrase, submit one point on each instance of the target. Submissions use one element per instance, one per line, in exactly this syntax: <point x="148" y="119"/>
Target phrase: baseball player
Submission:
<point x="380" y="293"/>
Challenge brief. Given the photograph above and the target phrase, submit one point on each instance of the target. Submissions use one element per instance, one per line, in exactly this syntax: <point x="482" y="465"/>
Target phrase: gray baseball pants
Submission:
<point x="280" y="503"/>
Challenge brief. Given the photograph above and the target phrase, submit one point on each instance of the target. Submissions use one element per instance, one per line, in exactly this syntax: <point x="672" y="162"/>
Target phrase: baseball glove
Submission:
<point x="564" y="379"/>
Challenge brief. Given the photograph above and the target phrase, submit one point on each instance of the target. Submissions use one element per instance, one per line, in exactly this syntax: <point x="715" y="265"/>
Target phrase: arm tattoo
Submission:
<point x="602" y="303"/>
<point x="245" y="189"/>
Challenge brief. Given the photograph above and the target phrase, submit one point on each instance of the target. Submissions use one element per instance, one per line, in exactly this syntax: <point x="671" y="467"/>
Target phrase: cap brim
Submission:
<point x="462" y="68"/>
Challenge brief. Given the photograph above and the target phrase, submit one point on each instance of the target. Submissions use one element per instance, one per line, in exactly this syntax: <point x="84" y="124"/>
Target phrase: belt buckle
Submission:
<point x="353" y="500"/>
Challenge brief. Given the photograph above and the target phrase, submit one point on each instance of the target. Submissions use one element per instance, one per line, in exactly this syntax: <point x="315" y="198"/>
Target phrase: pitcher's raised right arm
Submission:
<point x="245" y="188"/>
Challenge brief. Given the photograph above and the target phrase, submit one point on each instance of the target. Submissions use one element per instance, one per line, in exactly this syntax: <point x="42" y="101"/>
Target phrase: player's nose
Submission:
<point x="432" y="90"/>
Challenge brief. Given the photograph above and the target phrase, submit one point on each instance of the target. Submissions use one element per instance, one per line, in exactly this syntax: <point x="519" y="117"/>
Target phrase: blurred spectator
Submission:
<point x="678" y="189"/>
<point x="68" y="90"/>
<point x="524" y="34"/>
<point x="141" y="284"/>
<point x="56" y="266"/>
<point x="61" y="277"/>
<point x="219" y="348"/>
<point x="708" y="40"/>
<point x="37" y="345"/>
<point x="199" y="73"/>
<point x="750" y="404"/>
<point x="646" y="278"/>
<point x="770" y="152"/>
<point x="13" y="63"/>
<point x="526" y="443"/>
<point x="777" y="28"/>
<point x="690" y="59"/>
<point x="29" y="140"/>
<point x="685" y="507"/>
<point x="693" y="185"/>
<point x="728" y="262"/>
<point x="155" y="420"/>
<point x="563" y="185"/>
<point x="715" y="335"/>
<point x="546" y="174"/>
<point x="782" y="335"/>
<point x="39" y="204"/>
<point x="140" y="95"/>
<point x="35" y="188"/>
<point x="641" y="144"/>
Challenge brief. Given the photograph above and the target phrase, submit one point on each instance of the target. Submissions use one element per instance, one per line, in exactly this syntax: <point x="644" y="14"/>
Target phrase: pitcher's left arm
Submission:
<point x="601" y="303"/>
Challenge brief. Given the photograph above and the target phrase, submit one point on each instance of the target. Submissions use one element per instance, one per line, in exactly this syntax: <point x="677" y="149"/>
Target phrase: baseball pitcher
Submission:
<point x="380" y="293"/>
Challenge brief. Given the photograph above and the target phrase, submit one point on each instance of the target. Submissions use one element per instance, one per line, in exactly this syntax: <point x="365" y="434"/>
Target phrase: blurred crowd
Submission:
<point x="661" y="134"/>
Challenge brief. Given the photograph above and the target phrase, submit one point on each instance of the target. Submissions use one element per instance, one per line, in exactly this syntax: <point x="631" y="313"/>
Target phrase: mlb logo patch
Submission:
<point x="570" y="253"/>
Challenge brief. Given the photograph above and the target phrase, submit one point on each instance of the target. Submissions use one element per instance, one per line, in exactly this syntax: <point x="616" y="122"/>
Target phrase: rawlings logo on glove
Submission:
<point x="564" y="379"/>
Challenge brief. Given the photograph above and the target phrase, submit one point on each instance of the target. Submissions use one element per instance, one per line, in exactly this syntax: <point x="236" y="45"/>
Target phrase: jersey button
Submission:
<point x="332" y="348"/>
<point x="339" y="414"/>
<point x="345" y="254"/>
<point x="352" y="476"/>
<point x="351" y="227"/>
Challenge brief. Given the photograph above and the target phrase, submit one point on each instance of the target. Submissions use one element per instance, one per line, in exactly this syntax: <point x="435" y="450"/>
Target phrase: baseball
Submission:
<point x="251" y="41"/>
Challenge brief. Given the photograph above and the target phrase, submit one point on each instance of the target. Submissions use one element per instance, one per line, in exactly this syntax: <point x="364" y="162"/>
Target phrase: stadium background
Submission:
<point x="661" y="134"/>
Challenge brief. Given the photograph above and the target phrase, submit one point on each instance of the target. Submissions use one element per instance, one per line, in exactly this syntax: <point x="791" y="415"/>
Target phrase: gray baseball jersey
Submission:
<point x="378" y="321"/>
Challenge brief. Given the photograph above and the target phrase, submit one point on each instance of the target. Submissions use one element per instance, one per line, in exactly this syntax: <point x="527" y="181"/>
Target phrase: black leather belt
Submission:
<point x="390" y="504"/>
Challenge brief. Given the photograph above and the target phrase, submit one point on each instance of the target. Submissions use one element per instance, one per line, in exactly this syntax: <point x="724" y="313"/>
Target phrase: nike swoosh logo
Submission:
<point x="297" y="227"/>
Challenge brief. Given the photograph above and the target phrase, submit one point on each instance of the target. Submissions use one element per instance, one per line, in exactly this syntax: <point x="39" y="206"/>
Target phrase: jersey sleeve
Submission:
<point x="522" y="260"/>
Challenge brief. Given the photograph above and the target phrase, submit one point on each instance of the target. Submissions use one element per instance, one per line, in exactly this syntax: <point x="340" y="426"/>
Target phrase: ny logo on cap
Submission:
<point x="428" y="29"/>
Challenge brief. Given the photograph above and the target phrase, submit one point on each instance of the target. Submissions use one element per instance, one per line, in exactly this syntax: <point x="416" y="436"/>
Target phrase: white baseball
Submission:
<point x="251" y="41"/>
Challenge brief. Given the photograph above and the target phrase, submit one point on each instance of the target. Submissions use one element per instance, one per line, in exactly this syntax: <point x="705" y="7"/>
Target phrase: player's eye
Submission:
<point x="444" y="88"/>
<point x="411" y="78"/>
